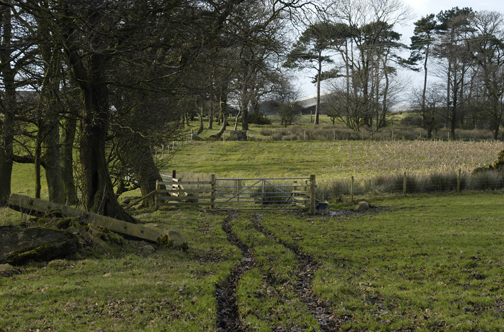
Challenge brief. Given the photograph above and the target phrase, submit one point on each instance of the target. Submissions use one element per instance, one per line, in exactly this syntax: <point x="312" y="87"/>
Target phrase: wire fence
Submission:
<point x="456" y="181"/>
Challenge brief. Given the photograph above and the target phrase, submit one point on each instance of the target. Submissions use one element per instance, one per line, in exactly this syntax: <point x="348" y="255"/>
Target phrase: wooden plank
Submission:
<point x="188" y="198"/>
<point x="36" y="206"/>
<point x="180" y="203"/>
<point x="185" y="191"/>
<point x="185" y="183"/>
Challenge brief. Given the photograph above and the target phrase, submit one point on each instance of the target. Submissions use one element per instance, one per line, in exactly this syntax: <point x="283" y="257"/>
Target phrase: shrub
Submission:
<point x="443" y="182"/>
<point x="266" y="132"/>
<point x="395" y="183"/>
<point x="259" y="118"/>
<point x="333" y="191"/>
<point x="276" y="136"/>
<point x="492" y="180"/>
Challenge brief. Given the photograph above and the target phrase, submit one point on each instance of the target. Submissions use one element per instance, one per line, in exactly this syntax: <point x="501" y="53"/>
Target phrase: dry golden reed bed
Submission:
<point x="369" y="158"/>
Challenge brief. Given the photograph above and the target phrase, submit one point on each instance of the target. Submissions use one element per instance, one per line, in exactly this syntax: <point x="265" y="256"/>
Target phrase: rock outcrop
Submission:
<point x="18" y="245"/>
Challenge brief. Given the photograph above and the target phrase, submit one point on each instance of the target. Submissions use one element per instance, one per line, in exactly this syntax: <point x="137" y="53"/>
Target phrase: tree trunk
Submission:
<point x="223" y="111"/>
<point x="425" y="79"/>
<point x="244" y="111"/>
<point x="69" y="127"/>
<point x="8" y="107"/>
<point x="210" y="115"/>
<point x="48" y="112"/>
<point x="53" y="168"/>
<point x="97" y="191"/>
<point x="38" y="157"/>
<point x="317" y="104"/>
<point x="136" y="153"/>
<point x="89" y="71"/>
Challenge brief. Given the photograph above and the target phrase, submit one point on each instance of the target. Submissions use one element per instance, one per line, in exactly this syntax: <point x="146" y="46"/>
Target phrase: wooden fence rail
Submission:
<point x="238" y="194"/>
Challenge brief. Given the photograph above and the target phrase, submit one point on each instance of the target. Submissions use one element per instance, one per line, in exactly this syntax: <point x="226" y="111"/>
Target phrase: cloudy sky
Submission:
<point x="420" y="8"/>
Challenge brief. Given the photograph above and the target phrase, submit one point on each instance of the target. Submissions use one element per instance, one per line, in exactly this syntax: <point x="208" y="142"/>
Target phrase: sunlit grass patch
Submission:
<point x="133" y="287"/>
<point x="424" y="263"/>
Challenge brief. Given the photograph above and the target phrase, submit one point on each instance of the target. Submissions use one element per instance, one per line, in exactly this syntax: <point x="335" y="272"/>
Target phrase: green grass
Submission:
<point x="266" y="293"/>
<point x="426" y="262"/>
<point x="431" y="263"/>
<point x="329" y="160"/>
<point x="414" y="263"/>
<point x="126" y="288"/>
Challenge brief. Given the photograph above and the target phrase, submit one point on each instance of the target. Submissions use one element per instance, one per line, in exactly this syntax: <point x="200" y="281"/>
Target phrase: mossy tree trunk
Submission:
<point x="97" y="191"/>
<point x="8" y="105"/>
<point x="69" y="126"/>
<point x="50" y="107"/>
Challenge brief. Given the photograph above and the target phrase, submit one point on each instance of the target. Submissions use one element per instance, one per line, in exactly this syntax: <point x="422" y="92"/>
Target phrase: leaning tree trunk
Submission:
<point x="223" y="111"/>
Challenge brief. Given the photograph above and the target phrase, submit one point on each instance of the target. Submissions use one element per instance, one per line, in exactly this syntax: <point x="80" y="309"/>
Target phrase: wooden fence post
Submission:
<point x="313" y="202"/>
<point x="212" y="184"/>
<point x="157" y="194"/>
<point x="458" y="180"/>
<point x="404" y="184"/>
<point x="352" y="189"/>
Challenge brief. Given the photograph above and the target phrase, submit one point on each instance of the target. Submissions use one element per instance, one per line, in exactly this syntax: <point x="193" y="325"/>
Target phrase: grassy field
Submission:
<point x="330" y="160"/>
<point x="427" y="263"/>
<point x="420" y="262"/>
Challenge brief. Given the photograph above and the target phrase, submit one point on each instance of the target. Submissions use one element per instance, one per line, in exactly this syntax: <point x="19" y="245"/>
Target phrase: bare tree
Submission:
<point x="486" y="47"/>
<point x="430" y="105"/>
<point x="369" y="51"/>
<point x="451" y="48"/>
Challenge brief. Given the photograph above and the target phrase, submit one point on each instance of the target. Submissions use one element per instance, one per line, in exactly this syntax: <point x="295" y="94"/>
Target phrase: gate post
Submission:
<point x="157" y="194"/>
<point x="212" y="199"/>
<point x="313" y="202"/>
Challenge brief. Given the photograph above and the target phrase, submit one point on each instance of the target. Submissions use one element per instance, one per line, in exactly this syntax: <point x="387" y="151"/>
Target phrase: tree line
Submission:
<point x="91" y="88"/>
<point x="459" y="50"/>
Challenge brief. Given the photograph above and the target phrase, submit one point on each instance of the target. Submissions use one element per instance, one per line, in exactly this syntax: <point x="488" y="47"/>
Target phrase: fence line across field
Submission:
<point x="239" y="193"/>
<point x="411" y="183"/>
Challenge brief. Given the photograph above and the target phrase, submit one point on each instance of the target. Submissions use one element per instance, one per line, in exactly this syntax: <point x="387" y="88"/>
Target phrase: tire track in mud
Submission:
<point x="228" y="318"/>
<point x="307" y="266"/>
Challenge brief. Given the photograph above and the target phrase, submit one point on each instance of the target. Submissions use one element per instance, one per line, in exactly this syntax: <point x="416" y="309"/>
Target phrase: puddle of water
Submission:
<point x="338" y="213"/>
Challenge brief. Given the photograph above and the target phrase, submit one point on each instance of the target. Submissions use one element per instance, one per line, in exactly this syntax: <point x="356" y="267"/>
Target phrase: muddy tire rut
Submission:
<point x="307" y="266"/>
<point x="228" y="318"/>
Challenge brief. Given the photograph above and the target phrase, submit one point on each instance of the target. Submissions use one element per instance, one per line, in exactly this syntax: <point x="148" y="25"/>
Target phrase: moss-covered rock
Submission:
<point x="18" y="246"/>
<point x="362" y="206"/>
<point x="165" y="240"/>
<point x="179" y="242"/>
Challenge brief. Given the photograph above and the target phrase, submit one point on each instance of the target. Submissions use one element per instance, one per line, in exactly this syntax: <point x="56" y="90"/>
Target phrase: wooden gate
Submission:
<point x="239" y="194"/>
